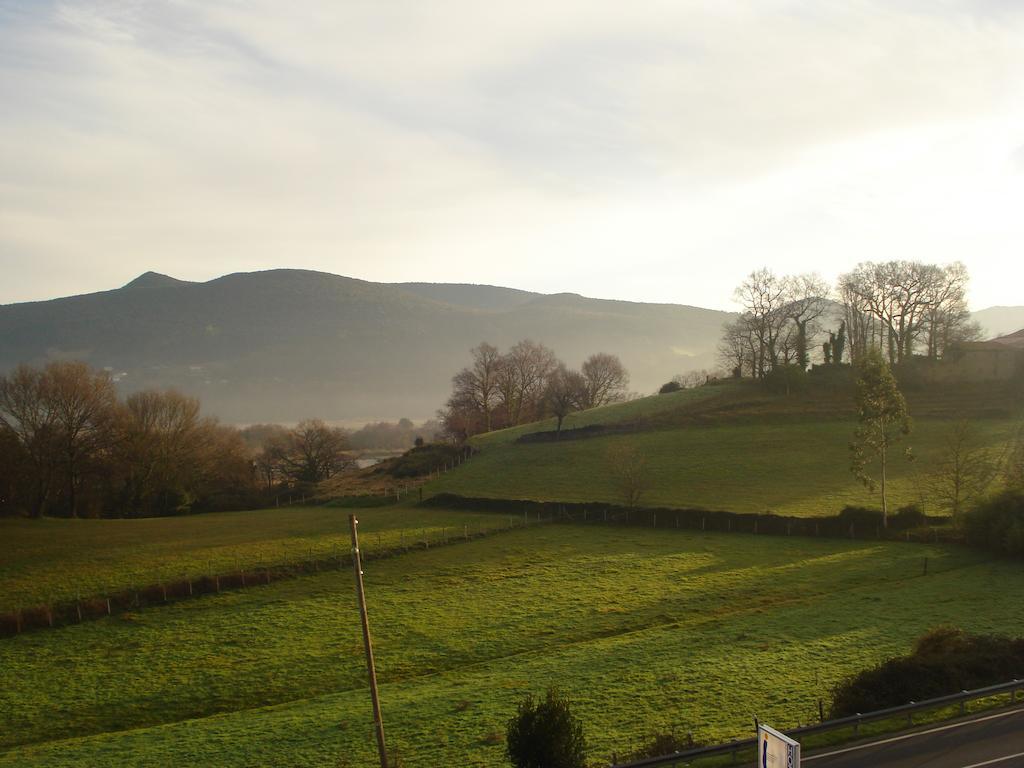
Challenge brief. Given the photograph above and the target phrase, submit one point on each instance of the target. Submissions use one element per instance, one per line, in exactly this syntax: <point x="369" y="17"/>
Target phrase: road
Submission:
<point x="993" y="740"/>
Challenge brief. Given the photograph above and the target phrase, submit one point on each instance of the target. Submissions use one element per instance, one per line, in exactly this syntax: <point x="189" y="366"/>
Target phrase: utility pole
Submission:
<point x="357" y="566"/>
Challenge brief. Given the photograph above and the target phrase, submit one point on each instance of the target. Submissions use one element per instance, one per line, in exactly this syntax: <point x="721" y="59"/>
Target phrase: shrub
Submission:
<point x="865" y="519"/>
<point x="998" y="523"/>
<point x="670" y="386"/>
<point x="663" y="744"/>
<point x="909" y="516"/>
<point x="786" y="379"/>
<point x="944" y="661"/>
<point x="422" y="460"/>
<point x="545" y="734"/>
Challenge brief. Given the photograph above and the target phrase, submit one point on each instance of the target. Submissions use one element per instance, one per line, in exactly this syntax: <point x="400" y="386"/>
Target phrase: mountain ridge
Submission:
<point x="286" y="344"/>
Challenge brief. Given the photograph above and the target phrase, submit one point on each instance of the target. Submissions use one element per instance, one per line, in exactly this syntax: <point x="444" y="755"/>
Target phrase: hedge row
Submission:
<point x="852" y="522"/>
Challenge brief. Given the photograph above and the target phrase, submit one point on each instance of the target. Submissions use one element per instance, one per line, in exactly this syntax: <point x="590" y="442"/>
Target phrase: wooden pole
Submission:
<point x="378" y="719"/>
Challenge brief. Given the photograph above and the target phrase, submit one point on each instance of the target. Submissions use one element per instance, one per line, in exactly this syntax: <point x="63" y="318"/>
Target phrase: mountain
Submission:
<point x="999" y="321"/>
<point x="282" y="345"/>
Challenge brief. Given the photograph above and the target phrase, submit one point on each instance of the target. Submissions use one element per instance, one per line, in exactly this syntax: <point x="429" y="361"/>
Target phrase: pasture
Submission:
<point x="50" y="560"/>
<point x="792" y="467"/>
<point x="647" y="630"/>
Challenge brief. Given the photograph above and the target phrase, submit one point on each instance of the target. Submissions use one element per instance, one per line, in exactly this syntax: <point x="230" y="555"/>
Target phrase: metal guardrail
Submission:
<point x="733" y="747"/>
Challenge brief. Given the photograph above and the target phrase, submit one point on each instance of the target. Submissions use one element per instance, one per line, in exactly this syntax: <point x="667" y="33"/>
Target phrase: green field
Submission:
<point x="52" y="560"/>
<point x="643" y="409"/>
<point x="794" y="468"/>
<point x="646" y="630"/>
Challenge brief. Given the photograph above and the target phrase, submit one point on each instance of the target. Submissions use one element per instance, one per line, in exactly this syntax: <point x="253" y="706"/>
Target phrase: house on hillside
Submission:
<point x="999" y="359"/>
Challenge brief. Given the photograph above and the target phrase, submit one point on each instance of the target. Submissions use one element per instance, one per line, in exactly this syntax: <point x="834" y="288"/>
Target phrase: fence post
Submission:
<point x="78" y="607"/>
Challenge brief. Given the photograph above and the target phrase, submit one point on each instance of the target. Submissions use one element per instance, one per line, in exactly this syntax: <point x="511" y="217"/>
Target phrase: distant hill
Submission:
<point x="999" y="321"/>
<point x="282" y="345"/>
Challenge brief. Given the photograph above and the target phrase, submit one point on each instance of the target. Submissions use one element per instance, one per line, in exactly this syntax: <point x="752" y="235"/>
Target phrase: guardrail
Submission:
<point x="855" y="721"/>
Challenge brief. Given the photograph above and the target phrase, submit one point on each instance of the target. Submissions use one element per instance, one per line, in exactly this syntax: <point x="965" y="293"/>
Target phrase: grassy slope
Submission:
<point x="53" y="559"/>
<point x="648" y="630"/>
<point x="643" y="408"/>
<point x="729" y="447"/>
<point x="800" y="468"/>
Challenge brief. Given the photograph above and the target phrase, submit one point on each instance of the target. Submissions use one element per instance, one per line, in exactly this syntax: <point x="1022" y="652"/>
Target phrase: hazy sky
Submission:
<point x="643" y="150"/>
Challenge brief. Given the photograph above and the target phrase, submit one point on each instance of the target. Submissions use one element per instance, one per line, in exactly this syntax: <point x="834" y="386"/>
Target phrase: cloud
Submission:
<point x="568" y="146"/>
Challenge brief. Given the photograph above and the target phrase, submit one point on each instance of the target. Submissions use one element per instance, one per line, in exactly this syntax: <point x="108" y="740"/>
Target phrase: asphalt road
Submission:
<point x="995" y="739"/>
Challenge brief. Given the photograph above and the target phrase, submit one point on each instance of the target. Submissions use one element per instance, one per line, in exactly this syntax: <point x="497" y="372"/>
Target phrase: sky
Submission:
<point x="649" y="151"/>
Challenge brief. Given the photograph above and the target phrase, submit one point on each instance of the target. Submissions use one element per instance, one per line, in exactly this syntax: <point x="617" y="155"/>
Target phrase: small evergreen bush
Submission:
<point x="545" y="734"/>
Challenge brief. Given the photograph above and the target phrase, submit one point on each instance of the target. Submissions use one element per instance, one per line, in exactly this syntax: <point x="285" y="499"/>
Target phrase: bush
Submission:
<point x="422" y="460"/>
<point x="944" y="661"/>
<point x="865" y="519"/>
<point x="670" y="386"/>
<point x="998" y="523"/>
<point x="545" y="734"/>
<point x="909" y="516"/>
<point x="663" y="744"/>
<point x="786" y="379"/>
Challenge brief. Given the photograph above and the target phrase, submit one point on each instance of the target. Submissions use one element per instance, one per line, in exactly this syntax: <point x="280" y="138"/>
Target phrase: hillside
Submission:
<point x="999" y="321"/>
<point x="286" y="344"/>
<point x="732" y="447"/>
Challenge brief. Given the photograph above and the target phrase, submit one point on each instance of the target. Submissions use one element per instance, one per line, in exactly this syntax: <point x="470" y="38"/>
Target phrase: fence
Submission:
<point x="734" y="749"/>
<point x="55" y="614"/>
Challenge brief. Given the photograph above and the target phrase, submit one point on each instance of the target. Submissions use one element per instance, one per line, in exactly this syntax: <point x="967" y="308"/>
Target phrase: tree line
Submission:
<point x="525" y="384"/>
<point x="70" y="446"/>
<point x="901" y="308"/>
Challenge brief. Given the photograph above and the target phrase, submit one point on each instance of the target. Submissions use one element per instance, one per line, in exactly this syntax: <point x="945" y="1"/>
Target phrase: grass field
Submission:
<point x="796" y="468"/>
<point x="647" y="630"/>
<point x="52" y="559"/>
<point x="639" y="410"/>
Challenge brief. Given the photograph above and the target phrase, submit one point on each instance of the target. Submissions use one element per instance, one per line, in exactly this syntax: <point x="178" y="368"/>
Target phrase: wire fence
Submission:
<point x="902" y="717"/>
<point x="374" y="545"/>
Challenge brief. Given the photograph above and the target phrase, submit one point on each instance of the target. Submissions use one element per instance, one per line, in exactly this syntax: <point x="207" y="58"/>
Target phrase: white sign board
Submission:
<point x="776" y="750"/>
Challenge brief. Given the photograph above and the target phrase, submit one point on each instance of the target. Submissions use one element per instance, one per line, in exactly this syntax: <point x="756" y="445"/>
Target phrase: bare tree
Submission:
<point x="522" y="375"/>
<point x="905" y="299"/>
<point x="627" y="467"/>
<point x="605" y="380"/>
<point x="763" y="297"/>
<point x="964" y="470"/>
<point x="806" y="300"/>
<point x="735" y="351"/>
<point x="161" y="436"/>
<point x="313" y="451"/>
<point x="565" y="391"/>
<point x="83" y="404"/>
<point x="477" y="385"/>
<point x="26" y="413"/>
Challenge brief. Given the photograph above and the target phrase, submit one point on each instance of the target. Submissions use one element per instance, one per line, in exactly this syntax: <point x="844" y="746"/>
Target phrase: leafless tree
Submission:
<point x="806" y="299"/>
<point x="905" y="299"/>
<point x="964" y="471"/>
<point x="313" y="451"/>
<point x="26" y="413"/>
<point x="605" y="380"/>
<point x="735" y="348"/>
<point x="477" y="385"/>
<point x="83" y="404"/>
<point x="565" y="391"/>
<point x="763" y="297"/>
<point x="627" y="467"/>
<point x="522" y="376"/>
